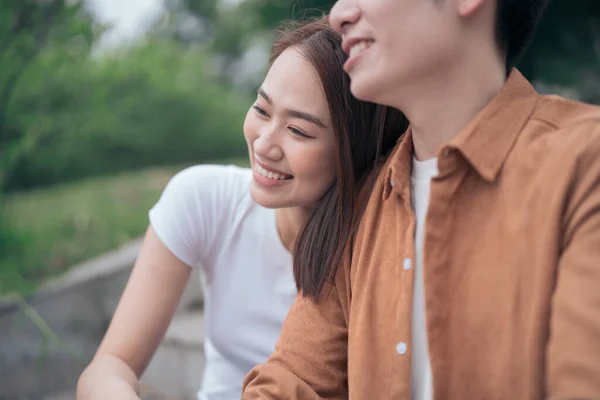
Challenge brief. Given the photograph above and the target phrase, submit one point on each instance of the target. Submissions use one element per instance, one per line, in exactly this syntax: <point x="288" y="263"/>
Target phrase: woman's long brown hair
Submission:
<point x="364" y="131"/>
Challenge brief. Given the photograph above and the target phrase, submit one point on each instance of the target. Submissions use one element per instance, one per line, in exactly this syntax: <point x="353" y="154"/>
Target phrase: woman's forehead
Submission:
<point x="293" y="82"/>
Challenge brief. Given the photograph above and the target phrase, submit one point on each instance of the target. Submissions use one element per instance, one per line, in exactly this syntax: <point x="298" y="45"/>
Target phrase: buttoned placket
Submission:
<point x="401" y="195"/>
<point x="438" y="228"/>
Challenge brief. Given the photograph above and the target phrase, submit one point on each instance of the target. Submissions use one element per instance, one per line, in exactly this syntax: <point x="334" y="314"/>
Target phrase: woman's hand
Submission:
<point x="113" y="390"/>
<point x="108" y="377"/>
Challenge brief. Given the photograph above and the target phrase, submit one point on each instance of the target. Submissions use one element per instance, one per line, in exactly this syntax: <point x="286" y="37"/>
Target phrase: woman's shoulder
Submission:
<point x="206" y="176"/>
<point x="208" y="190"/>
<point x="207" y="181"/>
<point x="197" y="208"/>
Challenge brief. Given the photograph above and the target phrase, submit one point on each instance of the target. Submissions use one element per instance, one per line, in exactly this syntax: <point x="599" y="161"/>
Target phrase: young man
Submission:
<point x="475" y="271"/>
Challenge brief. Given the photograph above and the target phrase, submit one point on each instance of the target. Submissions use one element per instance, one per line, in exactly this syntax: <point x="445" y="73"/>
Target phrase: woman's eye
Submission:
<point x="260" y="111"/>
<point x="298" y="132"/>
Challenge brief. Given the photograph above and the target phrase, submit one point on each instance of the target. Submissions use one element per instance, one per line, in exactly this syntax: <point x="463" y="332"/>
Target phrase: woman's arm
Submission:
<point x="140" y="321"/>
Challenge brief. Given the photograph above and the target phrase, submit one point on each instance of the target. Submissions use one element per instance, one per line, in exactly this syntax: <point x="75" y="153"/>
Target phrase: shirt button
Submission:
<point x="401" y="348"/>
<point x="407" y="264"/>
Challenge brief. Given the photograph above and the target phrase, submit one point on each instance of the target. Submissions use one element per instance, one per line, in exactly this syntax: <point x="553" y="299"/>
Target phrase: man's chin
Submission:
<point x="365" y="89"/>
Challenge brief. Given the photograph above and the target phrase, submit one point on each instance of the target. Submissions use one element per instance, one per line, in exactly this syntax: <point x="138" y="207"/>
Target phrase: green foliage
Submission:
<point x="66" y="114"/>
<point x="153" y="104"/>
<point x="65" y="224"/>
<point x="60" y="226"/>
<point x="27" y="28"/>
<point x="233" y="29"/>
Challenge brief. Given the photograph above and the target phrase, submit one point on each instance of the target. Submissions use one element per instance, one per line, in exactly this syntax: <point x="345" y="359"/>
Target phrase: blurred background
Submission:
<point x="102" y="101"/>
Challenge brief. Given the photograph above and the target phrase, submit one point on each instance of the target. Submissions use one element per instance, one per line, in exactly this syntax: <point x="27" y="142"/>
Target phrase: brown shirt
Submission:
<point x="511" y="270"/>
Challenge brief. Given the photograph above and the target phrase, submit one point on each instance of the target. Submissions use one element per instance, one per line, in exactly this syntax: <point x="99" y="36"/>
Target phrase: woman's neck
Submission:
<point x="289" y="223"/>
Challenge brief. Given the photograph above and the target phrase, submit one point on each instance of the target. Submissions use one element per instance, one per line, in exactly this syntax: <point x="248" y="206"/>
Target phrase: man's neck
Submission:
<point x="441" y="108"/>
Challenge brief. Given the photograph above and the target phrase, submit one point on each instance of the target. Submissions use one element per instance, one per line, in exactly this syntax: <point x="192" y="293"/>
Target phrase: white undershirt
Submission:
<point x="422" y="383"/>
<point x="207" y="218"/>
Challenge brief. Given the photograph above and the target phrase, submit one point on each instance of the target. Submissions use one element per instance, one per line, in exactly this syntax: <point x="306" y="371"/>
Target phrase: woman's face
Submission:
<point x="291" y="143"/>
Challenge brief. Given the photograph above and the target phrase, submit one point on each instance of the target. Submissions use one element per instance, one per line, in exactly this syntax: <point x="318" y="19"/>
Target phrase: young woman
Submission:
<point x="309" y="142"/>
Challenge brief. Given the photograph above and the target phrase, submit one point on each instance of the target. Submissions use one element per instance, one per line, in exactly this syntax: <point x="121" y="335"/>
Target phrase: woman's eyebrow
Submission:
<point x="294" y="113"/>
<point x="305" y="116"/>
<point x="264" y="94"/>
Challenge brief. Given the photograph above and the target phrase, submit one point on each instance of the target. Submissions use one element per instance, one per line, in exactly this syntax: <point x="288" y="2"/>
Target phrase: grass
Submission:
<point x="57" y="227"/>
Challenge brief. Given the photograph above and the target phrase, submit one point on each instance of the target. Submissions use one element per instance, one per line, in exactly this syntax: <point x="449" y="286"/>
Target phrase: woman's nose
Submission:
<point x="267" y="145"/>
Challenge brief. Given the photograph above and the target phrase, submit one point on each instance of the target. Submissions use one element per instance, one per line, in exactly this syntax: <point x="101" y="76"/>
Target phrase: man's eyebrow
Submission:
<point x="294" y="113"/>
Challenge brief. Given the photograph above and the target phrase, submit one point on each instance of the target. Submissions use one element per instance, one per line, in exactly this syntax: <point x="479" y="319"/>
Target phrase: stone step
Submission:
<point x="176" y="368"/>
<point x="70" y="395"/>
<point x="146" y="392"/>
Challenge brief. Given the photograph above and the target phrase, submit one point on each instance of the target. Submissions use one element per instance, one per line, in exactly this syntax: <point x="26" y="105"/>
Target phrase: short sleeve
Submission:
<point x="191" y="217"/>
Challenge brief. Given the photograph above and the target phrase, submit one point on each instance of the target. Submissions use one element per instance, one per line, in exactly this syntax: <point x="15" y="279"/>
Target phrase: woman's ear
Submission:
<point x="466" y="8"/>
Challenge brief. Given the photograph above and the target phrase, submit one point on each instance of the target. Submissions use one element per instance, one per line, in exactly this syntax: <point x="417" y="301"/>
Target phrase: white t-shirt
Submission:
<point x="422" y="383"/>
<point x="206" y="217"/>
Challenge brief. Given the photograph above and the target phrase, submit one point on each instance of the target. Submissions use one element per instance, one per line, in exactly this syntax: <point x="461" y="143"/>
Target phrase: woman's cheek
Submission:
<point x="250" y="127"/>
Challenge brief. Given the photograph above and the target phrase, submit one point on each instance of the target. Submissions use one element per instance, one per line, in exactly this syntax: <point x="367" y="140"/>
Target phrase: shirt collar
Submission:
<point x="401" y="164"/>
<point x="487" y="140"/>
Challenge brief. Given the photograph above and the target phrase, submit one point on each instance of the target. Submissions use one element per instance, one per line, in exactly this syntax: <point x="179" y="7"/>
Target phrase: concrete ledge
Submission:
<point x="107" y="265"/>
<point x="175" y="371"/>
<point x="177" y="366"/>
<point x="78" y="307"/>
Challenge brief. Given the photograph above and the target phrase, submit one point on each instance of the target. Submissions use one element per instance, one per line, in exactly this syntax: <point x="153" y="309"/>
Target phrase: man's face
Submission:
<point x="396" y="44"/>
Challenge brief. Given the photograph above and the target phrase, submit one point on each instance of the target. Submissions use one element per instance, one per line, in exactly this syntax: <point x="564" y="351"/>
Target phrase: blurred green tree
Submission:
<point x="27" y="29"/>
<point x="155" y="103"/>
<point x="232" y="27"/>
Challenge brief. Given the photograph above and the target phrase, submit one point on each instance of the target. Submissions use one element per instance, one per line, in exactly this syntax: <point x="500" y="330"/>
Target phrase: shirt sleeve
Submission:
<point x="573" y="352"/>
<point x="192" y="213"/>
<point x="310" y="358"/>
